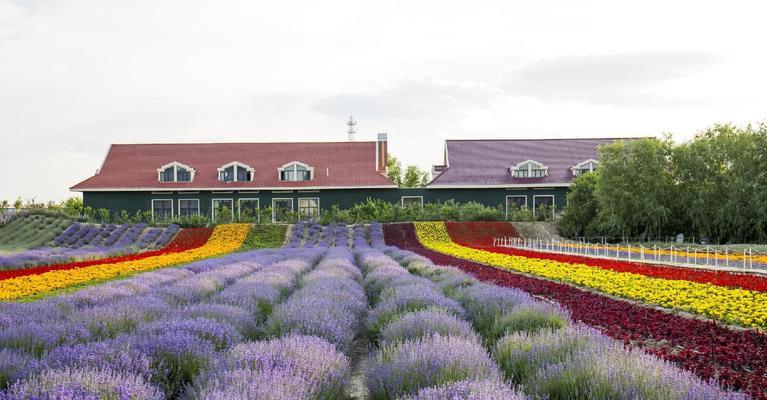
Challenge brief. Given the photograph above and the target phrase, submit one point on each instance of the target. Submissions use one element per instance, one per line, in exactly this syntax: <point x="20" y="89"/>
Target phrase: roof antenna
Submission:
<point x="352" y="124"/>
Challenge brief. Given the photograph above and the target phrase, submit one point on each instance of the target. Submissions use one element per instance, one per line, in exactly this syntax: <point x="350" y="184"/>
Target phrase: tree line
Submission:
<point x="713" y="186"/>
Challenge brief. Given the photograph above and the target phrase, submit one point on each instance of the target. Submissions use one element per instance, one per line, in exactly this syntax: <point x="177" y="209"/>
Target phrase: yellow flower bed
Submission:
<point x="225" y="239"/>
<point x="735" y="306"/>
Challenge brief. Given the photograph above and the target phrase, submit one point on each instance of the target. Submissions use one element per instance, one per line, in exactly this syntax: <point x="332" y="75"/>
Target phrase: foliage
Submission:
<point x="729" y="305"/>
<point x="579" y="217"/>
<point x="713" y="186"/>
<point x="413" y="176"/>
<point x="382" y="211"/>
<point x="31" y="230"/>
<point x="265" y="236"/>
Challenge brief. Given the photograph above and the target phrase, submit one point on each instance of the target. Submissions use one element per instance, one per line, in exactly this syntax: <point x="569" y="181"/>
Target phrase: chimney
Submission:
<point x="382" y="153"/>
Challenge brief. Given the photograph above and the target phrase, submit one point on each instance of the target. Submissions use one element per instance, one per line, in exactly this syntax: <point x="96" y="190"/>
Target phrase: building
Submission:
<point x="241" y="178"/>
<point x="202" y="178"/>
<point x="521" y="172"/>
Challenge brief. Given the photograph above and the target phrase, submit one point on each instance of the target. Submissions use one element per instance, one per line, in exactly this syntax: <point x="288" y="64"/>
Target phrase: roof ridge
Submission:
<point x="536" y="139"/>
<point x="196" y="143"/>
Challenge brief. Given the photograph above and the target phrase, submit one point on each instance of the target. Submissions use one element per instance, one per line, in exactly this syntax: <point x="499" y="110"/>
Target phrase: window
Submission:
<point x="235" y="171"/>
<point x="296" y="171"/>
<point x="543" y="207"/>
<point x="529" y="169"/>
<point x="162" y="208"/>
<point x="280" y="209"/>
<point x="309" y="207"/>
<point x="248" y="209"/>
<point x="584" y="167"/>
<point x="222" y="209"/>
<point x="175" y="172"/>
<point x="412" y="201"/>
<point x="188" y="207"/>
<point x="515" y="202"/>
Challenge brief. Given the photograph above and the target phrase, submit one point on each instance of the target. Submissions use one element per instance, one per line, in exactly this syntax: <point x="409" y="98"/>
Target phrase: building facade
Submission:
<point x="242" y="178"/>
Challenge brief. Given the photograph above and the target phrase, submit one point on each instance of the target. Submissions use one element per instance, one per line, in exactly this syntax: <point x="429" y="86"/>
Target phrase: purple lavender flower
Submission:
<point x="469" y="390"/>
<point x="221" y="335"/>
<point x="529" y="317"/>
<point x="15" y="365"/>
<point x="78" y="383"/>
<point x="419" y="324"/>
<point x="177" y="358"/>
<point x="407" y="367"/>
<point x="484" y="303"/>
<point x="38" y="338"/>
<point x="239" y="318"/>
<point x="248" y="384"/>
<point x="116" y="354"/>
<point x="325" y="318"/>
<point x="308" y="357"/>
<point x="406" y="299"/>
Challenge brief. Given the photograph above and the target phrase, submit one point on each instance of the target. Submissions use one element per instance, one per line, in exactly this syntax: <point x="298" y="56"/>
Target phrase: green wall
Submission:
<point x="345" y="198"/>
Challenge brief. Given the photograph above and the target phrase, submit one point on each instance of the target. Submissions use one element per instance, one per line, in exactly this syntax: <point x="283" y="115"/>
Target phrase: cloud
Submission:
<point x="627" y="78"/>
<point x="408" y="99"/>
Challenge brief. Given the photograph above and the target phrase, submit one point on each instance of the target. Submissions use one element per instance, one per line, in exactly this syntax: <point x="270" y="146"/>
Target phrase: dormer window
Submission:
<point x="584" y="167"/>
<point x="529" y="169"/>
<point x="296" y="171"/>
<point x="175" y="172"/>
<point x="236" y="172"/>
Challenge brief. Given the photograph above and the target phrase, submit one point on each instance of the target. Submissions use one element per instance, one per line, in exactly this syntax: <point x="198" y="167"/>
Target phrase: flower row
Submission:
<point x="225" y="239"/>
<point x="729" y="305"/>
<point x="186" y="239"/>
<point x="479" y="237"/>
<point x="735" y="358"/>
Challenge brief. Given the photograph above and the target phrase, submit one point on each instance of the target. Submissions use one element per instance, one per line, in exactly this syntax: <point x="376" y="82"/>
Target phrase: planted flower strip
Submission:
<point x="153" y="323"/>
<point x="225" y="239"/>
<point x="482" y="239"/>
<point x="599" y="367"/>
<point x="729" y="305"/>
<point x="90" y="244"/>
<point x="186" y="239"/>
<point x="735" y="358"/>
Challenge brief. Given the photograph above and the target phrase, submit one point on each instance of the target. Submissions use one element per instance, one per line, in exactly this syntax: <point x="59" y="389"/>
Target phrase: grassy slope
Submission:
<point x="31" y="231"/>
<point x="265" y="236"/>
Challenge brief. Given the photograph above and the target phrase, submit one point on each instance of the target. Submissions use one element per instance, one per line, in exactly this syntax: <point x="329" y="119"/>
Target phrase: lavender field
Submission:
<point x="80" y="242"/>
<point x="335" y="314"/>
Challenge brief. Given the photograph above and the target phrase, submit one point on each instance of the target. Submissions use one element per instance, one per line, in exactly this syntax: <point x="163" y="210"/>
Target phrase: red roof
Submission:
<point x="336" y="165"/>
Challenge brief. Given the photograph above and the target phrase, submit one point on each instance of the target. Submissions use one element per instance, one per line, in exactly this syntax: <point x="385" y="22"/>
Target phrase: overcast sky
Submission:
<point x="76" y="75"/>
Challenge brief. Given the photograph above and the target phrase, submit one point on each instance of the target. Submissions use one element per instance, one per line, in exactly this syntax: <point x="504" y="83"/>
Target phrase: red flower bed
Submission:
<point x="736" y="358"/>
<point x="185" y="239"/>
<point x="484" y="241"/>
<point x="481" y="233"/>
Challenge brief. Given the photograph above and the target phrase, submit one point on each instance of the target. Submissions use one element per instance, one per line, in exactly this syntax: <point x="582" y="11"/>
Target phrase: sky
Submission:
<point x="77" y="75"/>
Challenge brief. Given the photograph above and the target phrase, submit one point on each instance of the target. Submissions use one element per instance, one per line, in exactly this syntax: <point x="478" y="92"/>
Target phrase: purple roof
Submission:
<point x="487" y="162"/>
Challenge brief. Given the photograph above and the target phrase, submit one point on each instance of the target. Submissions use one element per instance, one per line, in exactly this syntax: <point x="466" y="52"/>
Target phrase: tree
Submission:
<point x="394" y="170"/>
<point x="4" y="204"/>
<point x="415" y="177"/>
<point x="635" y="189"/>
<point x="580" y="215"/>
<point x="18" y="203"/>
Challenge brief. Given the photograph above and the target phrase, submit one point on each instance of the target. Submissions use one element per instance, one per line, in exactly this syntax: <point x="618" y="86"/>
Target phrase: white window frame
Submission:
<point x="319" y="208"/>
<point x="274" y="209"/>
<point x="172" y="211"/>
<point x="553" y="201"/>
<point x="213" y="207"/>
<point x="402" y="200"/>
<point x="237" y="164"/>
<point x="593" y="164"/>
<point x="293" y="165"/>
<point x="175" y="165"/>
<point x="512" y="196"/>
<point x="179" y="206"/>
<point x="258" y="207"/>
<point x="530" y="168"/>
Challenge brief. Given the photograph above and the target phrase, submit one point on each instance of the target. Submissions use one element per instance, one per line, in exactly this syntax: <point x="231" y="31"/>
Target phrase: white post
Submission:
<point x="716" y="258"/>
<point x="727" y="257"/>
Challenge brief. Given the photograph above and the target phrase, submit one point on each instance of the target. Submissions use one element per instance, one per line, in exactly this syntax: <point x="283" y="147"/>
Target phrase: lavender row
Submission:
<point x="426" y="347"/>
<point x="541" y="351"/>
<point x="168" y="329"/>
<point x="313" y="331"/>
<point x="335" y="235"/>
<point x="86" y="242"/>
